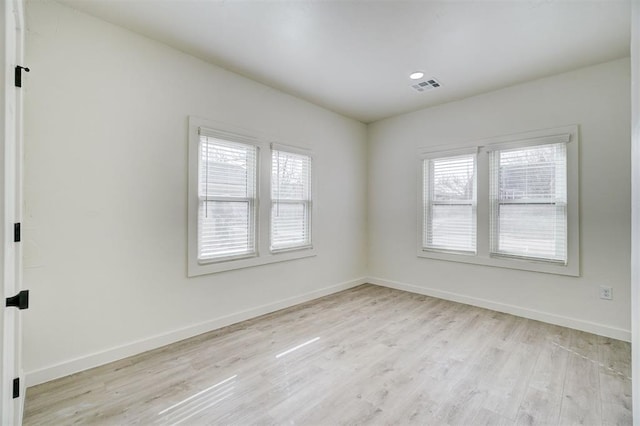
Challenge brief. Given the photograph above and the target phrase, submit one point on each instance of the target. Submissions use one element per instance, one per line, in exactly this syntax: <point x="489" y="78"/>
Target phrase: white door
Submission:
<point x="10" y="212"/>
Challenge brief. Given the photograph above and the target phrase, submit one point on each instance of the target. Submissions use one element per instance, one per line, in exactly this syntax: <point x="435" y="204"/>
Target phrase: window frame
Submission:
<point x="251" y="201"/>
<point x="309" y="204"/>
<point x="263" y="255"/>
<point x="426" y="218"/>
<point x="494" y="202"/>
<point x="483" y="227"/>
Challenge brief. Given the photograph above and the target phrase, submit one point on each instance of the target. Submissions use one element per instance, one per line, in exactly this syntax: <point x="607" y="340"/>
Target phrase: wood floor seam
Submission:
<point x="367" y="355"/>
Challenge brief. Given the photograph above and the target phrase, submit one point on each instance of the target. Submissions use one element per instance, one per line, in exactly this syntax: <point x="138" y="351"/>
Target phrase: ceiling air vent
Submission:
<point x="424" y="85"/>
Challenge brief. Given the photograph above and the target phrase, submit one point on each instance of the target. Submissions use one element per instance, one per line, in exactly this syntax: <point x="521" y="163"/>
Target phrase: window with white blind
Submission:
<point x="249" y="200"/>
<point x="290" y="200"/>
<point x="449" y="202"/>
<point x="227" y="199"/>
<point x="529" y="202"/>
<point x="510" y="201"/>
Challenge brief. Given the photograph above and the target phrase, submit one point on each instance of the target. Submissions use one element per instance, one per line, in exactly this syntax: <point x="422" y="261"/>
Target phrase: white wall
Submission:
<point x="106" y="191"/>
<point x="598" y="99"/>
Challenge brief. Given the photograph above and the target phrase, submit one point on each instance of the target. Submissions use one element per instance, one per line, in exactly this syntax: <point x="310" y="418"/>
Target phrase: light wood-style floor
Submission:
<point x="369" y="355"/>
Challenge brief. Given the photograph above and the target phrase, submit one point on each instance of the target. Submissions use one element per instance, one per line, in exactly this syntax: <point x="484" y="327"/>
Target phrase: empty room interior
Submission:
<point x="309" y="212"/>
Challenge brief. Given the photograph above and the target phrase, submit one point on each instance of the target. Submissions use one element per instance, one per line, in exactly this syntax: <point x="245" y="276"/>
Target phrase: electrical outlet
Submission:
<point x="606" y="292"/>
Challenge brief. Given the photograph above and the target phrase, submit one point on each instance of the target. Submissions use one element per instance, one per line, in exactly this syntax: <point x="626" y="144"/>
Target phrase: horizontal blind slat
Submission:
<point x="291" y="200"/>
<point x="227" y="170"/>
<point x="528" y="202"/>
<point x="449" y="199"/>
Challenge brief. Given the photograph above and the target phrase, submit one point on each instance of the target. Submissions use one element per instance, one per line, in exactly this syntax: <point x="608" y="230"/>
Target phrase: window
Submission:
<point x="450" y="203"/>
<point x="290" y="200"/>
<point x="529" y="202"/>
<point x="227" y="199"/>
<point x="250" y="202"/>
<point x="509" y="201"/>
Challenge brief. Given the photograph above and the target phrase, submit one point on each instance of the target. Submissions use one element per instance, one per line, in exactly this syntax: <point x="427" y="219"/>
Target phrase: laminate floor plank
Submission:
<point x="368" y="355"/>
<point x="542" y="402"/>
<point x="615" y="382"/>
<point x="489" y="418"/>
<point x="581" y="403"/>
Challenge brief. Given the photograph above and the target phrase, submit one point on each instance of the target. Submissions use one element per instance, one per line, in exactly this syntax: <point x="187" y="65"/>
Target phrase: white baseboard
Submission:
<point x="590" y="327"/>
<point x="96" y="359"/>
<point x="109" y="355"/>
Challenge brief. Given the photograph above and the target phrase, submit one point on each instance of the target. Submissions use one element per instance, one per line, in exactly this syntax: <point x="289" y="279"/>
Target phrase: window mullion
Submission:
<point x="229" y="201"/>
<point x="530" y="211"/>
<point x="264" y="201"/>
<point x="482" y="205"/>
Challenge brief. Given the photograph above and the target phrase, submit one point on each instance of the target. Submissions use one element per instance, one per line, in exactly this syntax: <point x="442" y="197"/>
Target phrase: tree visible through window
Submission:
<point x="529" y="202"/>
<point x="226" y="192"/>
<point x="450" y="203"/>
<point x="291" y="200"/>
<point x="242" y="211"/>
<point x="509" y="201"/>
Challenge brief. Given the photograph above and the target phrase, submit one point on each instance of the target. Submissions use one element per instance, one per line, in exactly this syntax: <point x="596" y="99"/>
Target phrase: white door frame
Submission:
<point x="12" y="45"/>
<point x="635" y="209"/>
<point x="6" y="410"/>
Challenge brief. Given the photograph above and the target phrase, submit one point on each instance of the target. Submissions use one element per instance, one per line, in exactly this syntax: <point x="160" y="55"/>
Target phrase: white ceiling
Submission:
<point x="354" y="57"/>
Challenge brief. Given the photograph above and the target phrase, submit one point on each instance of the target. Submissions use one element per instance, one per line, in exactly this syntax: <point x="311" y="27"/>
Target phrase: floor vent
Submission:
<point x="425" y="85"/>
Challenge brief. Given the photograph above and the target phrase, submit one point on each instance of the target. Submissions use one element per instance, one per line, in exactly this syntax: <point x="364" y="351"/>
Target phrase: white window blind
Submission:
<point x="529" y="202"/>
<point x="449" y="202"/>
<point x="291" y="200"/>
<point x="227" y="199"/>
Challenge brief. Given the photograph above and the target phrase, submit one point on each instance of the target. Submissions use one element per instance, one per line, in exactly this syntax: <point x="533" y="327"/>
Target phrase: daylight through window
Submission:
<point x="250" y="200"/>
<point x="509" y="201"/>
<point x="290" y="200"/>
<point x="529" y="202"/>
<point x="450" y="203"/>
<point x="227" y="199"/>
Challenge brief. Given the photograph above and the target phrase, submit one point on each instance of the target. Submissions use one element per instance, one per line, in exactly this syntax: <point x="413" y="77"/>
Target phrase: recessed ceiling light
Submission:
<point x="416" y="75"/>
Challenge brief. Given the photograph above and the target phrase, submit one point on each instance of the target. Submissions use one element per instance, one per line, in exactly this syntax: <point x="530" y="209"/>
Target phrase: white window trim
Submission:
<point x="483" y="257"/>
<point x="263" y="201"/>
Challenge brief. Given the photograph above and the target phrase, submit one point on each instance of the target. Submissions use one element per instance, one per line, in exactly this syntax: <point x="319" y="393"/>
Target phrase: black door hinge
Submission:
<point x="20" y="300"/>
<point x="18" y="75"/>
<point x="16" y="232"/>
<point x="16" y="387"/>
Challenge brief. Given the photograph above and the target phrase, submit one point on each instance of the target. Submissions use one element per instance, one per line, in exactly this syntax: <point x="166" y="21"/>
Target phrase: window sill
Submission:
<point x="445" y="251"/>
<point x="291" y="249"/>
<point x="195" y="268"/>
<point x="571" y="269"/>
<point x="228" y="259"/>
